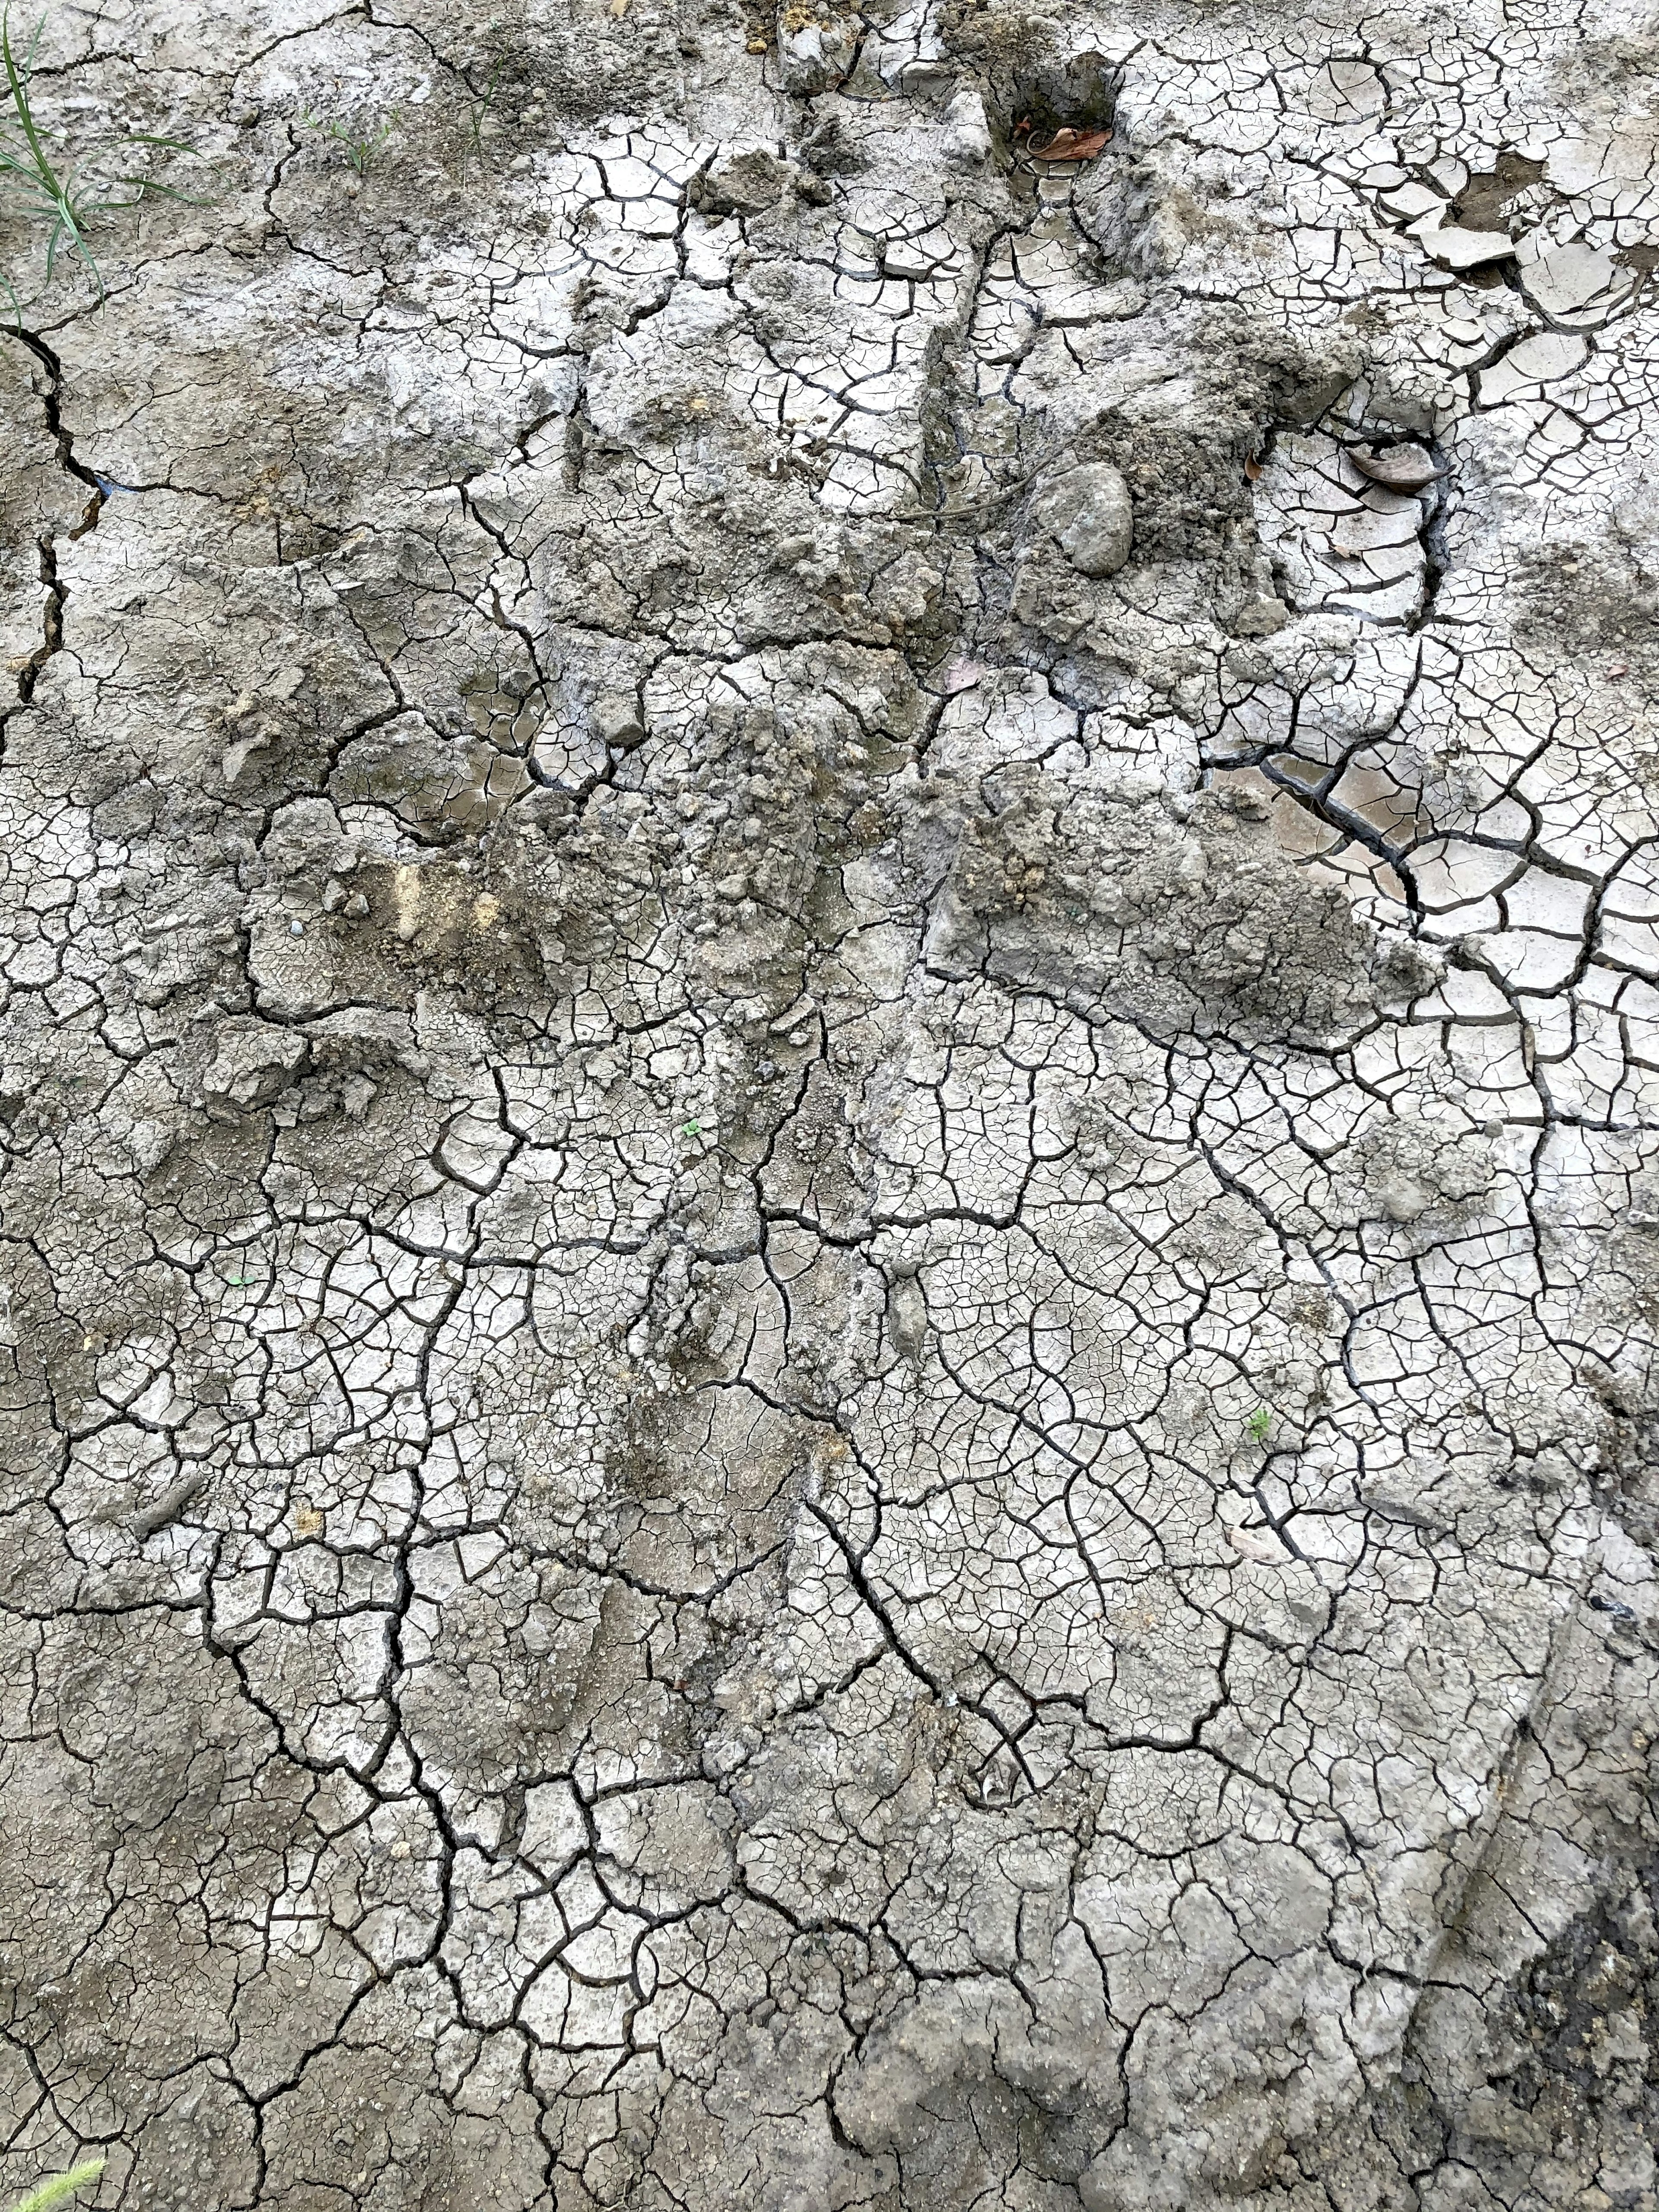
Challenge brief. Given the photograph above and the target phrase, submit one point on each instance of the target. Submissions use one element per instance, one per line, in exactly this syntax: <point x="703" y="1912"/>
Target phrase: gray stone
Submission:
<point x="253" y="1063"/>
<point x="1088" y="512"/>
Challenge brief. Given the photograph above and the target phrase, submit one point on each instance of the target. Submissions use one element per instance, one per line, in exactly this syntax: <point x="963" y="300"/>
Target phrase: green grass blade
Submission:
<point x="95" y="154"/>
<point x="61" y="2185"/>
<point x="144" y="186"/>
<point x="18" y="82"/>
<point x="23" y="178"/>
<point x="65" y="226"/>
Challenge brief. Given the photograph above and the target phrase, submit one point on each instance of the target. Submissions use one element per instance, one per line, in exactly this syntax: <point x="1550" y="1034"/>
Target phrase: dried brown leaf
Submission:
<point x="1071" y="146"/>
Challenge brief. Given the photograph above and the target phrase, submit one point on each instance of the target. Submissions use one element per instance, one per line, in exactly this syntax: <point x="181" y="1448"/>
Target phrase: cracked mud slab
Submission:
<point x="832" y="1010"/>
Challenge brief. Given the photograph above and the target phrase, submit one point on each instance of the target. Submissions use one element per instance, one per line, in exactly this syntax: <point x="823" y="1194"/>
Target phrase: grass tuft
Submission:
<point x="478" y="114"/>
<point x="362" y="144"/>
<point x="67" y="197"/>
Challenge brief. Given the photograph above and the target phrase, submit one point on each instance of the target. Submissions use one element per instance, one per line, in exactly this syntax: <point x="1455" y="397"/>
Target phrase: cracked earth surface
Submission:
<point x="831" y="993"/>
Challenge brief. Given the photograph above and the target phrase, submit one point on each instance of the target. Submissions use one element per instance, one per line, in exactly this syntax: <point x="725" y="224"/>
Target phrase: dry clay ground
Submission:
<point x="831" y="980"/>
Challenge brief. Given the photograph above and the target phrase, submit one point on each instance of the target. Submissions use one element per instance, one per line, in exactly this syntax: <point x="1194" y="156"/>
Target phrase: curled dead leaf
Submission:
<point x="1252" y="469"/>
<point x="1071" y="146"/>
<point x="1265" y="1549"/>
<point x="1397" y="468"/>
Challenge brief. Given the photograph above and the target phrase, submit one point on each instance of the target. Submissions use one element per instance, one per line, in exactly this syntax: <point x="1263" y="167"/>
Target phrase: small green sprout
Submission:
<point x="363" y="144"/>
<point x="478" y="115"/>
<point x="61" y="2185"/>
<point x="1259" y="1422"/>
<point x="691" y="1128"/>
<point x="69" y="197"/>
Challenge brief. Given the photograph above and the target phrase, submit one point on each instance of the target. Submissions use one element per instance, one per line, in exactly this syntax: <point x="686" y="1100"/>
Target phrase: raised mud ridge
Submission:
<point x="830" y="958"/>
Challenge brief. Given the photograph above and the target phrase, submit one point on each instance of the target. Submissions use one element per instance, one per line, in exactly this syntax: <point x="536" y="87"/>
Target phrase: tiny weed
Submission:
<point x="478" y="114"/>
<point x="1259" y="1422"/>
<point x="61" y="2185"/>
<point x="68" y="199"/>
<point x="362" y="144"/>
<point x="691" y="1128"/>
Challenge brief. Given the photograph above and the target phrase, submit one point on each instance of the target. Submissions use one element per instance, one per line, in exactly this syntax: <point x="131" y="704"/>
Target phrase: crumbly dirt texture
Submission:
<point x="831" y="971"/>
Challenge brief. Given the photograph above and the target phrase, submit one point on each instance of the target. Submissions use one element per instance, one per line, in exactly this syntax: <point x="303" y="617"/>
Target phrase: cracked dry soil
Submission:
<point x="831" y="999"/>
